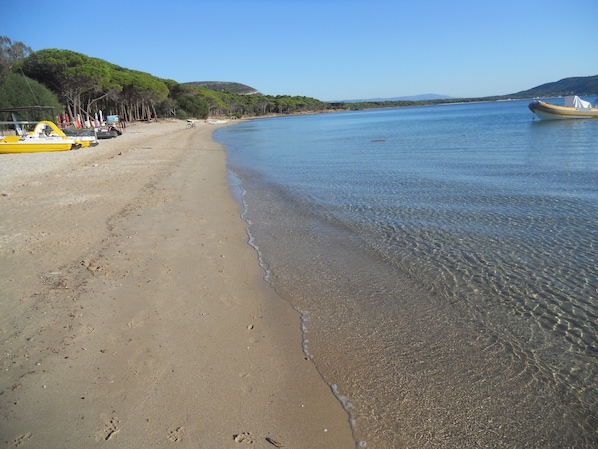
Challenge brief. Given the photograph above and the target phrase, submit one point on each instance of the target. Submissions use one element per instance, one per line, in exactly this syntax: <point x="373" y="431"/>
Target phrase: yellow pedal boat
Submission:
<point x="45" y="137"/>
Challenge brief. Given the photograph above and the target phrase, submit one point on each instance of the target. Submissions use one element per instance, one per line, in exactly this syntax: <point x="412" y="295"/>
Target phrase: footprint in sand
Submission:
<point x="245" y="438"/>
<point x="110" y="429"/>
<point x="21" y="440"/>
<point x="135" y="323"/>
<point x="176" y="434"/>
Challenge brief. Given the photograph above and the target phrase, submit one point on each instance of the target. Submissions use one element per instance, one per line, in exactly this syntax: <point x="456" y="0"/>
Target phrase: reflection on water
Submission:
<point x="444" y="261"/>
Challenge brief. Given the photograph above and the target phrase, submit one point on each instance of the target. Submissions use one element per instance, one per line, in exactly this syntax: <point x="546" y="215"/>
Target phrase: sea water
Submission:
<point x="444" y="260"/>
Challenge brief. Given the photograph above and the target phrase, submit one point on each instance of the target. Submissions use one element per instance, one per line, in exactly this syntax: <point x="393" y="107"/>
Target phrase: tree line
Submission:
<point x="80" y="85"/>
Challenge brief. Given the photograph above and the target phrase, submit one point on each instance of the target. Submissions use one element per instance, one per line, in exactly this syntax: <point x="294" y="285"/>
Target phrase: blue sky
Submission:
<point x="327" y="49"/>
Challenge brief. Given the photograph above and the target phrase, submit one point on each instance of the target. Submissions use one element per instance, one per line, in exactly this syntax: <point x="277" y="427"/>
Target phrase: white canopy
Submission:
<point x="575" y="102"/>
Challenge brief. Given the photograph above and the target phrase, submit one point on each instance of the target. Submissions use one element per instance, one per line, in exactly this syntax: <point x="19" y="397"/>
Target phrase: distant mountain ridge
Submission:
<point x="421" y="97"/>
<point x="578" y="85"/>
<point x="225" y="86"/>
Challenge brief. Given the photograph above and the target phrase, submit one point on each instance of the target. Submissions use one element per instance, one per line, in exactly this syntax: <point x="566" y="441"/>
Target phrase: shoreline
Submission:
<point x="135" y="311"/>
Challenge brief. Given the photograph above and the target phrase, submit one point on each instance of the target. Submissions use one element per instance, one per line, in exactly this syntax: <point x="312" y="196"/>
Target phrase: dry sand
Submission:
<point x="133" y="313"/>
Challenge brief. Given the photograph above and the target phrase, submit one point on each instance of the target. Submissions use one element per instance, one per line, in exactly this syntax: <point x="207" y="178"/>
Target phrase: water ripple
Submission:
<point x="447" y="276"/>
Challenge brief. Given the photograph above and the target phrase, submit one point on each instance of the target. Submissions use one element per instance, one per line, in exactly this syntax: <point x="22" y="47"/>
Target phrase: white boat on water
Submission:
<point x="574" y="108"/>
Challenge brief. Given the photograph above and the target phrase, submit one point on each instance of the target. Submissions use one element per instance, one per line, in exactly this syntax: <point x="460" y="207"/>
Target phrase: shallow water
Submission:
<point x="444" y="261"/>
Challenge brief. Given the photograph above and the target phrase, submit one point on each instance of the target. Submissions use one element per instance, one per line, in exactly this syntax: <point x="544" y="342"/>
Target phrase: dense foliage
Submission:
<point x="84" y="85"/>
<point x="18" y="91"/>
<point x="226" y="86"/>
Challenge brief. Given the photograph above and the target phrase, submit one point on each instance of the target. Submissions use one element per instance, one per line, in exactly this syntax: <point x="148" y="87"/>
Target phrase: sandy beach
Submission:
<point x="133" y="312"/>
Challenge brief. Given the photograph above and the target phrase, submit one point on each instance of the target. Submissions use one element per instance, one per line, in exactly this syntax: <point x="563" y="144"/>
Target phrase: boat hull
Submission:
<point x="9" y="147"/>
<point x="85" y="137"/>
<point x="547" y="111"/>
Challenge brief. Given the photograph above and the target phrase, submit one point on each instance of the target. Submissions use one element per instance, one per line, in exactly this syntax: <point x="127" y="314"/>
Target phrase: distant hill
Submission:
<point x="223" y="86"/>
<point x="421" y="97"/>
<point x="580" y="85"/>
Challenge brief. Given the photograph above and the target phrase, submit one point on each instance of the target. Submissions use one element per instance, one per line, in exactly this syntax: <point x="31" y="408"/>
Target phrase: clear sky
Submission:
<point x="326" y="49"/>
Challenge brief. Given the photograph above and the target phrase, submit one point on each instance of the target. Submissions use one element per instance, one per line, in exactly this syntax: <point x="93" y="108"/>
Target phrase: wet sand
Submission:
<point x="133" y="313"/>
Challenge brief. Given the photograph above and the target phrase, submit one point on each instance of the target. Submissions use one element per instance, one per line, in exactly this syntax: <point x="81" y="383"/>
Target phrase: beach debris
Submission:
<point x="274" y="442"/>
<point x="110" y="434"/>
